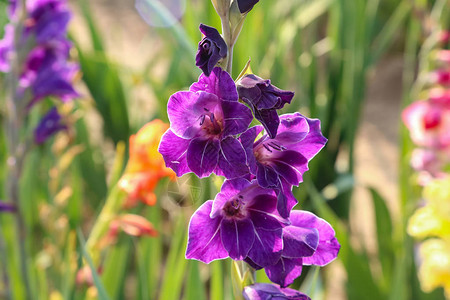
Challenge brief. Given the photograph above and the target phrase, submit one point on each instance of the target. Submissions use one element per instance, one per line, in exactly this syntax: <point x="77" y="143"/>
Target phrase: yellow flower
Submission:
<point x="437" y="193"/>
<point x="145" y="166"/>
<point x="427" y="221"/>
<point x="434" y="218"/>
<point x="434" y="271"/>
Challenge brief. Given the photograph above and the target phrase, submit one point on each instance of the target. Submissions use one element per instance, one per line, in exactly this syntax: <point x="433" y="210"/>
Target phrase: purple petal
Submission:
<point x="291" y="165"/>
<point x="285" y="271"/>
<point x="202" y="156"/>
<point x="252" y="264"/>
<point x="266" y="249"/>
<point x="263" y="212"/>
<point x="268" y="291"/>
<point x="299" y="241"/>
<point x="286" y="199"/>
<point x="52" y="26"/>
<point x="269" y="119"/>
<point x="247" y="140"/>
<point x="236" y="117"/>
<point x="232" y="158"/>
<point x="267" y="177"/>
<point x="185" y="110"/>
<point x="6" y="46"/>
<point x="301" y="134"/>
<point x="204" y="242"/>
<point x="328" y="247"/>
<point x="219" y="83"/>
<point x="173" y="150"/>
<point x="237" y="237"/>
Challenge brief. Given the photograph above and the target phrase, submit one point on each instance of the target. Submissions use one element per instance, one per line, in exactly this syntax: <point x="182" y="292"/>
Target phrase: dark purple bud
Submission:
<point x="48" y="126"/>
<point x="211" y="49"/>
<point x="264" y="99"/>
<point x="246" y="5"/>
<point x="7" y="207"/>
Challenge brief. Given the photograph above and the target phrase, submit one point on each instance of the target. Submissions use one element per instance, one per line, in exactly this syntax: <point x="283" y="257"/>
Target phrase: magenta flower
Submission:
<point x="211" y="49"/>
<point x="309" y="240"/>
<point x="6" y="46"/>
<point x="429" y="122"/>
<point x="267" y="291"/>
<point x="241" y="222"/>
<point x="280" y="162"/>
<point x="48" y="126"/>
<point x="264" y="99"/>
<point x="203" y="122"/>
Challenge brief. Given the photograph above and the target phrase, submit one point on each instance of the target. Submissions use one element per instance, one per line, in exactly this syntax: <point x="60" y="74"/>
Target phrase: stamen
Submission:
<point x="203" y="117"/>
<point x="267" y="148"/>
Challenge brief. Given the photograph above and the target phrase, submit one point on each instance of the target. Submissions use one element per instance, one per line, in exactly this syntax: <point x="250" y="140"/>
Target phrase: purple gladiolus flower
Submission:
<point x="203" y="122"/>
<point x="48" y="126"/>
<point x="7" y="207"/>
<point x="241" y="222"/>
<point x="48" y="19"/>
<point x="267" y="291"/>
<point x="211" y="49"/>
<point x="309" y="240"/>
<point x="264" y="99"/>
<point x="280" y="162"/>
<point x="48" y="73"/>
<point x="246" y="5"/>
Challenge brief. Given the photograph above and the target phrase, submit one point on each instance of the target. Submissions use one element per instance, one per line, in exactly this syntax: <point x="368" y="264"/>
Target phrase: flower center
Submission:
<point x="211" y="125"/>
<point x="234" y="208"/>
<point x="263" y="152"/>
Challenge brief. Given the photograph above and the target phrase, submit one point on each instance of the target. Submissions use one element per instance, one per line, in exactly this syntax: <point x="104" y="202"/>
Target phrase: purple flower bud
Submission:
<point x="246" y="5"/>
<point x="7" y="207"/>
<point x="48" y="126"/>
<point x="211" y="49"/>
<point x="264" y="99"/>
<point x="266" y="291"/>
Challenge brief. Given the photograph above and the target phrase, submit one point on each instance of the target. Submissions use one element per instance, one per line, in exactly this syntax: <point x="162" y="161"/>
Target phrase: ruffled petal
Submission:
<point x="236" y="117"/>
<point x="328" y="247"/>
<point x="173" y="150"/>
<point x="237" y="237"/>
<point x="232" y="158"/>
<point x="219" y="83"/>
<point x="285" y="271"/>
<point x="204" y="242"/>
<point x="266" y="249"/>
<point x="202" y="156"/>
<point x="185" y="111"/>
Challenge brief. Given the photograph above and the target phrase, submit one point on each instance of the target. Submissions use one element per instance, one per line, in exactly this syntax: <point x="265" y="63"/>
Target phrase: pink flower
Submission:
<point x="429" y="122"/>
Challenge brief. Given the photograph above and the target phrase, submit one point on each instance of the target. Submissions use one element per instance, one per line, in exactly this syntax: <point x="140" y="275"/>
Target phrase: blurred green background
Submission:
<point x="351" y="63"/>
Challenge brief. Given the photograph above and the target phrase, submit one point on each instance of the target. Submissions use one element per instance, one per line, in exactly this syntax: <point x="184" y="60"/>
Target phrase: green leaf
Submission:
<point x="385" y="241"/>
<point x="102" y="295"/>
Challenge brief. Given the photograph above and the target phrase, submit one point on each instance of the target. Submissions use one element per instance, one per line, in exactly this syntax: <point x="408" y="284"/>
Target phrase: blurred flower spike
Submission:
<point x="145" y="166"/>
<point x="50" y="124"/>
<point x="42" y="51"/>
<point x="7" y="207"/>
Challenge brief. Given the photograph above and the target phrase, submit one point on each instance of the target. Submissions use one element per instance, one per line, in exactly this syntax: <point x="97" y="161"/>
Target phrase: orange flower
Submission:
<point x="145" y="166"/>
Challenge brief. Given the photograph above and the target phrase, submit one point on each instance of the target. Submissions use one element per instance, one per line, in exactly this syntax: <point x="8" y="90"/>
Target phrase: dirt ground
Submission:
<point x="130" y="41"/>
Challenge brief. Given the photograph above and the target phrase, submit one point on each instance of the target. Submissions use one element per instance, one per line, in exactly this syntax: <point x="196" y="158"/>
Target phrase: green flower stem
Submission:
<point x="109" y="211"/>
